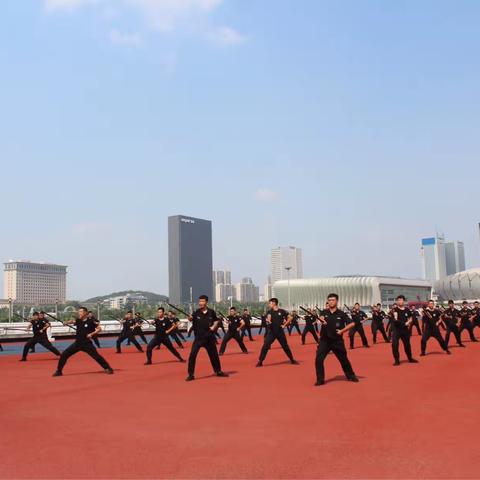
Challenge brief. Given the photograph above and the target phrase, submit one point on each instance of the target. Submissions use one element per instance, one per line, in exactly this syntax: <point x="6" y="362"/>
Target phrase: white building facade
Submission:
<point x="460" y="286"/>
<point x="365" y="290"/>
<point x="33" y="283"/>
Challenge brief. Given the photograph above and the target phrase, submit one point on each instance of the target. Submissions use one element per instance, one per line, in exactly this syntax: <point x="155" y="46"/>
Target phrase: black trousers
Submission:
<point x="401" y="334"/>
<point x="468" y="326"/>
<point x="156" y="341"/>
<point x="247" y="330"/>
<point x="379" y="327"/>
<point x="453" y="328"/>
<point x="292" y="326"/>
<point x="175" y="336"/>
<point x="272" y="335"/>
<point x="43" y="341"/>
<point x="179" y="334"/>
<point x="416" y="325"/>
<point x="138" y="331"/>
<point x="85" y="346"/>
<point x="351" y="334"/>
<point x="208" y="343"/>
<point x="434" y="332"/>
<point x="128" y="336"/>
<point x="263" y="326"/>
<point x="96" y="341"/>
<point x="337" y="346"/>
<point x="232" y="336"/>
<point x="309" y="329"/>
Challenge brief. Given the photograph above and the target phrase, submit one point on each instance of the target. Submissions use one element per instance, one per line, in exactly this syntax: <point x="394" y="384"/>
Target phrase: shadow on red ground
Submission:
<point x="412" y="421"/>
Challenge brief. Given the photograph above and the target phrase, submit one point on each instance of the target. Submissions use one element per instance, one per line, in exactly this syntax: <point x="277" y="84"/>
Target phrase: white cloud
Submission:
<point x="67" y="4"/>
<point x="226" y="36"/>
<point x="164" y="15"/>
<point x="160" y="15"/>
<point x="266" y="195"/>
<point x="125" y="39"/>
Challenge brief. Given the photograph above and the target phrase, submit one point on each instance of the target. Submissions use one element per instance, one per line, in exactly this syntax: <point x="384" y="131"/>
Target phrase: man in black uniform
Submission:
<point x="39" y="326"/>
<point x="358" y="317"/>
<point x="204" y="323"/>
<point x="82" y="343"/>
<point x="163" y="328"/>
<point x="310" y="323"/>
<point x="277" y="320"/>
<point x="432" y="319"/>
<point x="377" y="323"/>
<point x="450" y="318"/>
<point x="476" y="315"/>
<point x="263" y="324"/>
<point x="137" y="329"/>
<point x="247" y="320"/>
<point x="176" y="334"/>
<point x="465" y="318"/>
<point x="401" y="319"/>
<point x="335" y="324"/>
<point x="235" y="326"/>
<point x="127" y="332"/>
<point x="415" y="323"/>
<point x="294" y="324"/>
<point x="93" y="325"/>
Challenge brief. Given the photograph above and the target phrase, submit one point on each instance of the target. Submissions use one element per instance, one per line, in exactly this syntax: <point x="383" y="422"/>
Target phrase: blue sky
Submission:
<point x="350" y="129"/>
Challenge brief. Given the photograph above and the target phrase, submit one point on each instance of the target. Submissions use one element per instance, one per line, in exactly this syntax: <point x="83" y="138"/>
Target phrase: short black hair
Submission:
<point x="42" y="312"/>
<point x="332" y="295"/>
<point x="84" y="309"/>
<point x="246" y="309"/>
<point x="431" y="300"/>
<point x="356" y="303"/>
<point x="34" y="314"/>
<point x="129" y="311"/>
<point x="401" y="297"/>
<point x="232" y="308"/>
<point x="203" y="297"/>
<point x="451" y="302"/>
<point x="274" y="300"/>
<point x="464" y="302"/>
<point x="161" y="308"/>
<point x="379" y="304"/>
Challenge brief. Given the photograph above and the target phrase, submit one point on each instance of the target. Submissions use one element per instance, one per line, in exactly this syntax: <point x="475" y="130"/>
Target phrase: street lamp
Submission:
<point x="288" y="283"/>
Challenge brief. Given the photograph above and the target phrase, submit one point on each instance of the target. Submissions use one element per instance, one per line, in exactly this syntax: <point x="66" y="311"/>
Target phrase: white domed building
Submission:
<point x="460" y="286"/>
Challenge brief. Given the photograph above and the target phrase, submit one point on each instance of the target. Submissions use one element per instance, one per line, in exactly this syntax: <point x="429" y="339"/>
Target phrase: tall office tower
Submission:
<point x="247" y="292"/>
<point x="189" y="258"/>
<point x="35" y="283"/>
<point x="455" y="257"/>
<point x="283" y="258"/>
<point x="218" y="277"/>
<point x="434" y="258"/>
<point x="223" y="292"/>
<point x="267" y="290"/>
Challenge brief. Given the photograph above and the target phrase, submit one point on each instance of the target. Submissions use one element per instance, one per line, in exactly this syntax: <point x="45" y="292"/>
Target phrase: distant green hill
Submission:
<point x="153" y="298"/>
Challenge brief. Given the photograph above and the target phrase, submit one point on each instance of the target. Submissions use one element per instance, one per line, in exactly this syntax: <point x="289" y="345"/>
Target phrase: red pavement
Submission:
<point x="412" y="421"/>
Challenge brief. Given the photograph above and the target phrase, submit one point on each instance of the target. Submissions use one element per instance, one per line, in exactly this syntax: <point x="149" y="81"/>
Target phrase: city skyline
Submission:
<point x="342" y="128"/>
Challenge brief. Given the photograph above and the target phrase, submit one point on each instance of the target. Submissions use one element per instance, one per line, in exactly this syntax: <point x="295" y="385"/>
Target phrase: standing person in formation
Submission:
<point x="93" y="325"/>
<point x="358" y="317"/>
<point x="310" y="323"/>
<point x="137" y="330"/>
<point x="164" y="326"/>
<point x="415" y="323"/>
<point x="334" y="324"/>
<point x="432" y="319"/>
<point x="377" y="323"/>
<point x="476" y="315"/>
<point x="247" y="320"/>
<point x="82" y="343"/>
<point x="204" y="323"/>
<point x="39" y="325"/>
<point x="465" y="321"/>
<point x="128" y="324"/>
<point x="401" y="319"/>
<point x="220" y="327"/>
<point x="263" y="324"/>
<point x="235" y="326"/>
<point x="176" y="334"/>
<point x="277" y="320"/>
<point x="450" y="318"/>
<point x="294" y="324"/>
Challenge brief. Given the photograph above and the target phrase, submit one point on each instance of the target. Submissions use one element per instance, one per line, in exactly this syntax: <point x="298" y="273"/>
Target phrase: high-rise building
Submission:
<point x="268" y="290"/>
<point x="35" y="283"/>
<point x="455" y="257"/>
<point x="247" y="292"/>
<point x="283" y="258"/>
<point x="440" y="258"/>
<point x="222" y="285"/>
<point x="189" y="258"/>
